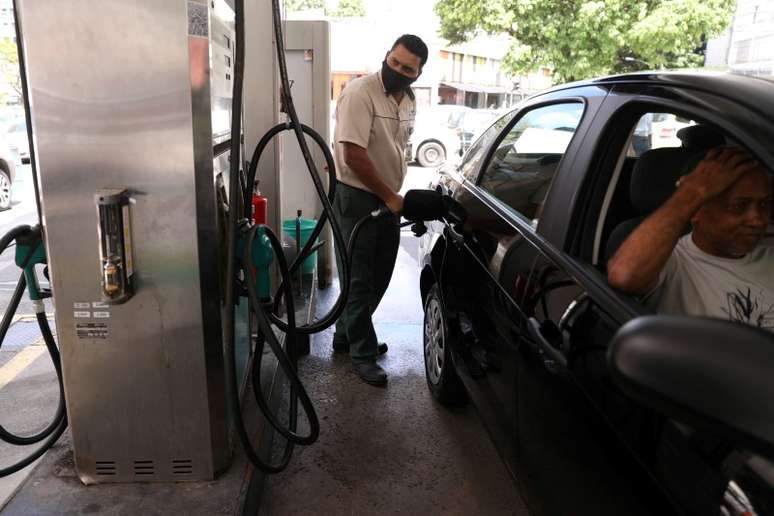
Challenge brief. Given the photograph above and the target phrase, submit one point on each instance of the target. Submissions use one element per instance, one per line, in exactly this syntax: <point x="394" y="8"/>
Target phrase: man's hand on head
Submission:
<point x="719" y="169"/>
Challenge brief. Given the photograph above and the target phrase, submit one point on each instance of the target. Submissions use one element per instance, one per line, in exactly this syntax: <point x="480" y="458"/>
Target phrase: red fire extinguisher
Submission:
<point x="259" y="208"/>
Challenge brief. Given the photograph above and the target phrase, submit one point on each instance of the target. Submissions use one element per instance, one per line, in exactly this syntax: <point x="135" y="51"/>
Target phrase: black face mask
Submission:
<point x="394" y="81"/>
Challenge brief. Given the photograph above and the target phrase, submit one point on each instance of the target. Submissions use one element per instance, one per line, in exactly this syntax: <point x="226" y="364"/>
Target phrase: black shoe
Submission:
<point x="381" y="348"/>
<point x="370" y="372"/>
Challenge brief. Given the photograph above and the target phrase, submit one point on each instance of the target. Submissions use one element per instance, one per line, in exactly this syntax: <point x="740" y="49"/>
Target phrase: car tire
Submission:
<point x="442" y="379"/>
<point x="5" y="190"/>
<point x="431" y="154"/>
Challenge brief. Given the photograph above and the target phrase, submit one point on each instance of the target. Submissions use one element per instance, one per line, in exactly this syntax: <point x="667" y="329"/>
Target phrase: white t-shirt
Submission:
<point x="736" y="289"/>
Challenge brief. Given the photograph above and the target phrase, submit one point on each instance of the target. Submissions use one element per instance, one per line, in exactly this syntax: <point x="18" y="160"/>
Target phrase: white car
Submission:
<point x="432" y="141"/>
<point x="7" y="173"/>
<point x="16" y="134"/>
<point x="663" y="130"/>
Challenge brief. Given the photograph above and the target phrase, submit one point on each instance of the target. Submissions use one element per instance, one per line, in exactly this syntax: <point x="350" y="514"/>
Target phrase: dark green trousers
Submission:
<point x="373" y="260"/>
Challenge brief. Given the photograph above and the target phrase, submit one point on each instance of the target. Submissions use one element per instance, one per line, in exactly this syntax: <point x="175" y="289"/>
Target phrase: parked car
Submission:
<point x="432" y="139"/>
<point x="469" y="124"/>
<point x="16" y="134"/>
<point x="597" y="405"/>
<point x="665" y="128"/>
<point x="7" y="173"/>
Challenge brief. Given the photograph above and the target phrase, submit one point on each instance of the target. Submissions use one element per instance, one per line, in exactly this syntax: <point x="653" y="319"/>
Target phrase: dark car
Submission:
<point x="596" y="404"/>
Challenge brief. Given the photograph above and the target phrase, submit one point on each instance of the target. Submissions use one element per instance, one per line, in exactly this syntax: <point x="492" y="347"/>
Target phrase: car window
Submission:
<point x="653" y="129"/>
<point x="525" y="161"/>
<point x="454" y="119"/>
<point x="656" y="131"/>
<point x="469" y="163"/>
<point x="475" y="118"/>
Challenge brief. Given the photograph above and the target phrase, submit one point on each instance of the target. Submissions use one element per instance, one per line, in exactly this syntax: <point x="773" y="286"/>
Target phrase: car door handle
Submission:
<point x="538" y="332"/>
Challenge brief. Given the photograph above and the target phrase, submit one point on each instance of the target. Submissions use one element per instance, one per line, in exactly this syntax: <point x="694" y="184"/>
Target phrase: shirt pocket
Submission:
<point x="387" y="121"/>
<point x="405" y="129"/>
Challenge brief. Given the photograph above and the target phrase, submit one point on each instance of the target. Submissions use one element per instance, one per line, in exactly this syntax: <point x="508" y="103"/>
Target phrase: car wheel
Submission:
<point x="5" y="190"/>
<point x="442" y="379"/>
<point x="431" y="154"/>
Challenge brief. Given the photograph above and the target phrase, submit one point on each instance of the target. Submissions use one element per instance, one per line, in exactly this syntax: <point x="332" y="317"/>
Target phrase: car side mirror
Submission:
<point x="712" y="374"/>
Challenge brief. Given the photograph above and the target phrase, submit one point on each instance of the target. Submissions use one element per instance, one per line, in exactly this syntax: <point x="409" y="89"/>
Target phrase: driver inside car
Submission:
<point x="723" y="267"/>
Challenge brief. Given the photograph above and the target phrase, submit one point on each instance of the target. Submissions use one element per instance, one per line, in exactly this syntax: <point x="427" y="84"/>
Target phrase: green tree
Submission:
<point x="584" y="38"/>
<point x="348" y="8"/>
<point x="303" y="5"/>
<point x="9" y="65"/>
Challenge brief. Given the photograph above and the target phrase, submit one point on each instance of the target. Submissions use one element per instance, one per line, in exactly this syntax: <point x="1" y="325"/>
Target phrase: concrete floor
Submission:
<point x="390" y="450"/>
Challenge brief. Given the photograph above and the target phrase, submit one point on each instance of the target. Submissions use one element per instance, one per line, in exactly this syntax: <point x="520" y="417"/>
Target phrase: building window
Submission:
<point x="763" y="48"/>
<point x="742" y="51"/>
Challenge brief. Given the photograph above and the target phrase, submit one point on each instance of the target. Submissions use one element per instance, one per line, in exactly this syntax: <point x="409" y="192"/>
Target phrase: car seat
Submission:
<point x="655" y="175"/>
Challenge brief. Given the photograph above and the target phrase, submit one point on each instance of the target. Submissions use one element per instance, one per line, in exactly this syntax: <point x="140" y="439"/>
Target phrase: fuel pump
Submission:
<point x="251" y="249"/>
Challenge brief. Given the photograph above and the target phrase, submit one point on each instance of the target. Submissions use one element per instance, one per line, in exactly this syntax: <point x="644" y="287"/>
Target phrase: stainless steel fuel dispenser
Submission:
<point x="135" y="93"/>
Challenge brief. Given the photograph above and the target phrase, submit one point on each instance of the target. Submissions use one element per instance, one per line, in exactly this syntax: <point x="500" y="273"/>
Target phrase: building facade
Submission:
<point x="748" y="45"/>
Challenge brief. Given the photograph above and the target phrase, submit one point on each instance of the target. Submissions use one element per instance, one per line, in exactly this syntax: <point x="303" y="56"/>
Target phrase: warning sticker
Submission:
<point x="80" y="305"/>
<point x="101" y="315"/>
<point x="97" y="304"/>
<point x="92" y="330"/>
<point x="81" y="315"/>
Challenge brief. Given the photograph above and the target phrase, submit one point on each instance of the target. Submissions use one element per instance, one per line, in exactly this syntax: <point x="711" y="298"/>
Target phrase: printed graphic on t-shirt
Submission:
<point x="745" y="307"/>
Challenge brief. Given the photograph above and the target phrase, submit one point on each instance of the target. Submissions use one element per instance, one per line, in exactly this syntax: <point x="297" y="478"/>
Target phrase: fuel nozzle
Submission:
<point x="420" y="206"/>
<point x="426" y="205"/>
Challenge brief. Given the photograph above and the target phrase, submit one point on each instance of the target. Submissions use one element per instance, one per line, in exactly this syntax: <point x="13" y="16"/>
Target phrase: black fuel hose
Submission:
<point x="267" y="315"/>
<point x="326" y="199"/>
<point x="287" y="360"/>
<point x="286" y="357"/>
<point x="51" y="433"/>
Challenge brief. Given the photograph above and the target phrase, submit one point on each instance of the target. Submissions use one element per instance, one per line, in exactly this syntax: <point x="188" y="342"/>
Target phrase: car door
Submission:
<point x="573" y="315"/>
<point x="500" y="247"/>
<point x="560" y="449"/>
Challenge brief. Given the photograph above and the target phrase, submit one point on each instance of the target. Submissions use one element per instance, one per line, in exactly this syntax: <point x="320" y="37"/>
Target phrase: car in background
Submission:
<point x="597" y="404"/>
<point x="7" y="173"/>
<point x="16" y="135"/>
<point x="469" y="124"/>
<point x="664" y="128"/>
<point x="432" y="140"/>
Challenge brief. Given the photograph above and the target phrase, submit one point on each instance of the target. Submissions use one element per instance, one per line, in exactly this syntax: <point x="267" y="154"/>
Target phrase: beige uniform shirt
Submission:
<point x="370" y="118"/>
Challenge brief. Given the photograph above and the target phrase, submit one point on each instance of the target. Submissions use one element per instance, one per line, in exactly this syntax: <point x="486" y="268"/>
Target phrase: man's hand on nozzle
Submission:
<point x="395" y="204"/>
<point x="719" y="169"/>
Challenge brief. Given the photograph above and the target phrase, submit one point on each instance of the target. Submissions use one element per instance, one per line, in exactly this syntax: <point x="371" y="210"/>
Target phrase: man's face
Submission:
<point x="404" y="62"/>
<point x="733" y="224"/>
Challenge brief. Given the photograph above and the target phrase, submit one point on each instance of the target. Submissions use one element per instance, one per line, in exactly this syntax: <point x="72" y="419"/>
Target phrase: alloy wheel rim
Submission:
<point x="434" y="342"/>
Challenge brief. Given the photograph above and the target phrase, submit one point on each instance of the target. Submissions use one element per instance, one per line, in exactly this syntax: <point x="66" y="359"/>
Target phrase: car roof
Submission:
<point x="757" y="91"/>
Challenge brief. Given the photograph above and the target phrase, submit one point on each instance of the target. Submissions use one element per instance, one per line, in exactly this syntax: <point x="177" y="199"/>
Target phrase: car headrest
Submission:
<point x="655" y="174"/>
<point x="700" y="137"/>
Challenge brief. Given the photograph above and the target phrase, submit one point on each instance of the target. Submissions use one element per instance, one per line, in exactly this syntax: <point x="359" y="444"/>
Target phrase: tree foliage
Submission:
<point x="304" y="5"/>
<point x="345" y="8"/>
<point x="348" y="8"/>
<point x="586" y="38"/>
<point x="9" y="64"/>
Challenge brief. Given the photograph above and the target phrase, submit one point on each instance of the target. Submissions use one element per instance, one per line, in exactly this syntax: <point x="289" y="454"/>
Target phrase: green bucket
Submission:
<point x="307" y="226"/>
